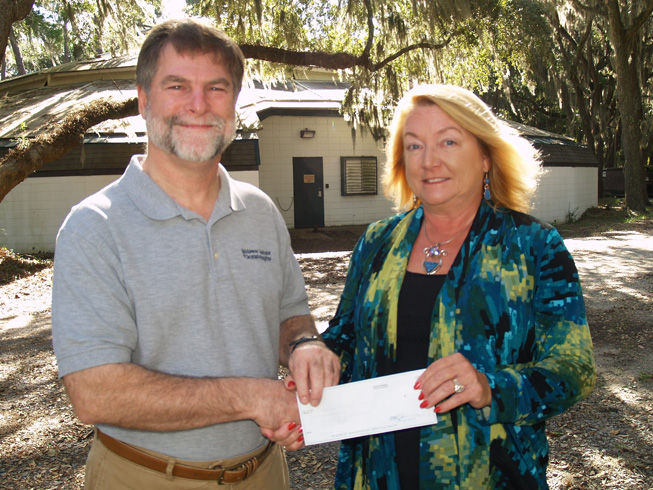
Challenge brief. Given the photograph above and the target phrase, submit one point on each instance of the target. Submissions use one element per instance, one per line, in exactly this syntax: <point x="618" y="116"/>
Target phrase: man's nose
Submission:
<point x="198" y="103"/>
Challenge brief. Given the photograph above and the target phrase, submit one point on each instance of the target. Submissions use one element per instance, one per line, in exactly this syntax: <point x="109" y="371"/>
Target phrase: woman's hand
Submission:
<point x="439" y="382"/>
<point x="289" y="435"/>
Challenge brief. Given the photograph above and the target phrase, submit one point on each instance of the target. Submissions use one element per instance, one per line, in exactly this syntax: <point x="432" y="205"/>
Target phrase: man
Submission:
<point x="176" y="294"/>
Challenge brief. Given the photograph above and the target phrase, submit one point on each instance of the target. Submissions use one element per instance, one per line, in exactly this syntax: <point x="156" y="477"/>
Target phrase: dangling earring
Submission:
<point x="486" y="187"/>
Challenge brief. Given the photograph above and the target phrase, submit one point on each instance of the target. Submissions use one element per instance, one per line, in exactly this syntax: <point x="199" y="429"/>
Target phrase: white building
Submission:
<point x="293" y="144"/>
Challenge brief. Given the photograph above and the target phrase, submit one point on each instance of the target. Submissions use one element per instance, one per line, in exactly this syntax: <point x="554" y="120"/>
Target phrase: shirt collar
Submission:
<point x="156" y="204"/>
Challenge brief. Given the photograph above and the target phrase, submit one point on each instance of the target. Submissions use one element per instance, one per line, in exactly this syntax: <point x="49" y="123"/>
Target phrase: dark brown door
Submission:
<point x="309" y="192"/>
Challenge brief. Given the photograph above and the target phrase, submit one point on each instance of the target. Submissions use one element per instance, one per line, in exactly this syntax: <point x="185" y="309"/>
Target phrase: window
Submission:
<point x="358" y="176"/>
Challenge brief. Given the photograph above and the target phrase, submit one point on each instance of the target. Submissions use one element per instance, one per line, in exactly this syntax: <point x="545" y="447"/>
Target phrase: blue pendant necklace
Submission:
<point x="434" y="255"/>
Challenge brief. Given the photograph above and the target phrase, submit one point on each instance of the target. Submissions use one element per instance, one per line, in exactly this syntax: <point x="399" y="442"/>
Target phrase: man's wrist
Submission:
<point x="303" y="340"/>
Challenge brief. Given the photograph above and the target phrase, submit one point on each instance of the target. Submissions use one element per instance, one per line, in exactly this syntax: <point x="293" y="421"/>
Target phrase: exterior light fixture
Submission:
<point x="307" y="133"/>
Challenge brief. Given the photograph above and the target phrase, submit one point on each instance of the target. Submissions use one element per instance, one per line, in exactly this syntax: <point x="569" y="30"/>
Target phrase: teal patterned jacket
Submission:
<point x="512" y="305"/>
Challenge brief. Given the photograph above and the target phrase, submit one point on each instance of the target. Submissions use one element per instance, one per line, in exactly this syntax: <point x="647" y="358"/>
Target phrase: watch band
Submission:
<point x="302" y="340"/>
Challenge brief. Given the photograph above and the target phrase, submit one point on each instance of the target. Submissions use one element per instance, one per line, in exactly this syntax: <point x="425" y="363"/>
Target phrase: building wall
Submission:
<point x="32" y="213"/>
<point x="279" y="142"/>
<point x="565" y="193"/>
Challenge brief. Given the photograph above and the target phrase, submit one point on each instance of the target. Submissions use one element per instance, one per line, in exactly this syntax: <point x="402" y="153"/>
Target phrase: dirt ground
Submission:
<point x="603" y="442"/>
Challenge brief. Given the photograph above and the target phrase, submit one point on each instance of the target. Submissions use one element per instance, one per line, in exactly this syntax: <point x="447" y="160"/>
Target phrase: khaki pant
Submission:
<point x="106" y="470"/>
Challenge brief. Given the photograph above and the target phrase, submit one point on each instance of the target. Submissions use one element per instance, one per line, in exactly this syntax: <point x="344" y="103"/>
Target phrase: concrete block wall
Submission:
<point x="32" y="213"/>
<point x="564" y="193"/>
<point x="249" y="176"/>
<point x="279" y="142"/>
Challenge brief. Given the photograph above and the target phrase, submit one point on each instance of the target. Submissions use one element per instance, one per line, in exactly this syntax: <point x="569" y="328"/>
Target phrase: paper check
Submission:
<point x="367" y="407"/>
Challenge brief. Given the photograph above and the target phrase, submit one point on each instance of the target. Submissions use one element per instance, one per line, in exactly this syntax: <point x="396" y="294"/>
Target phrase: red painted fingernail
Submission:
<point x="300" y="430"/>
<point x="292" y="425"/>
<point x="438" y="409"/>
<point x="418" y="385"/>
<point x="421" y="396"/>
<point x="300" y="439"/>
<point x="423" y="404"/>
<point x="291" y="384"/>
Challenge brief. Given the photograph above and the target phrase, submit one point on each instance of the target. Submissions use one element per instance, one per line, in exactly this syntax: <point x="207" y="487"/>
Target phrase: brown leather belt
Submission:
<point x="230" y="475"/>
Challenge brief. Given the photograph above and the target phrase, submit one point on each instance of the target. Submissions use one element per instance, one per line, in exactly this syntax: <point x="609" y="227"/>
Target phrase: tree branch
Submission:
<point x="581" y="44"/>
<point x="638" y="22"/>
<point x="586" y="8"/>
<point x="58" y="140"/>
<point x="561" y="30"/>
<point x="334" y="61"/>
<point x="370" y="30"/>
<point x="407" y="49"/>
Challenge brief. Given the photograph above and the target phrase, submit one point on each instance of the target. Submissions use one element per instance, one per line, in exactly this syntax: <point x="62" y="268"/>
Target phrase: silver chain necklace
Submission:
<point x="435" y="252"/>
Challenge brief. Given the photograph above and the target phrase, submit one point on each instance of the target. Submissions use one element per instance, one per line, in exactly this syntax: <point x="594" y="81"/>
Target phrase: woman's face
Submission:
<point x="445" y="163"/>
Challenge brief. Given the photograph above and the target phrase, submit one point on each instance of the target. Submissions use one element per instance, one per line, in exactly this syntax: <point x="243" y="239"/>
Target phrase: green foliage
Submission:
<point x="59" y="31"/>
<point x="398" y="44"/>
<point x="585" y="68"/>
<point x="572" y="216"/>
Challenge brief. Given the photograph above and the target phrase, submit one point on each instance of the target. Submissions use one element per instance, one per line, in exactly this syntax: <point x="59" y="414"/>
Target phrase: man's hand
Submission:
<point x="313" y="367"/>
<point x="289" y="434"/>
<point x="275" y="406"/>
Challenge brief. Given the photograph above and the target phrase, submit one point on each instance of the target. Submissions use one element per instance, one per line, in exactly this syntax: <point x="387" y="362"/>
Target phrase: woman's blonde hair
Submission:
<point x="515" y="163"/>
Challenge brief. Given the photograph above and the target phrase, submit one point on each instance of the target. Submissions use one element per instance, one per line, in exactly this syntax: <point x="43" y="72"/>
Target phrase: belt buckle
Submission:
<point x="249" y="467"/>
<point x="220" y="481"/>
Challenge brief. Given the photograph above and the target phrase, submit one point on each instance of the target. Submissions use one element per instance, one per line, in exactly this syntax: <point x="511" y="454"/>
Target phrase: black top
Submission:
<point x="414" y="312"/>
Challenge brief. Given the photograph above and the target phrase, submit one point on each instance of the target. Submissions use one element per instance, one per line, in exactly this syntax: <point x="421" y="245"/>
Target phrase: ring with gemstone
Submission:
<point x="457" y="387"/>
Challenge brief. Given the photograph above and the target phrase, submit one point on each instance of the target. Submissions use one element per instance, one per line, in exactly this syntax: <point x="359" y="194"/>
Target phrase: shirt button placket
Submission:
<point x="214" y="254"/>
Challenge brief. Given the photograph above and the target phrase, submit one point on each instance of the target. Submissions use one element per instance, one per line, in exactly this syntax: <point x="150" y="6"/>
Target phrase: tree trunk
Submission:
<point x="630" y="107"/>
<point x="12" y="11"/>
<point x="20" y="66"/>
<point x="66" y="42"/>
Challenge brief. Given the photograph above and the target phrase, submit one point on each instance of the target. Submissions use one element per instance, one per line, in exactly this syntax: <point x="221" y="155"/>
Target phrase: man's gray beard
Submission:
<point x="160" y="132"/>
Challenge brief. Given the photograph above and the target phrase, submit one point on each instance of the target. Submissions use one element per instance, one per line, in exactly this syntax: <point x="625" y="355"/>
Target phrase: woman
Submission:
<point x="464" y="284"/>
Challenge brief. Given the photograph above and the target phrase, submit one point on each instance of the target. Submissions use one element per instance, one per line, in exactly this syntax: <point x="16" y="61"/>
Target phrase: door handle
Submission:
<point x="319" y="193"/>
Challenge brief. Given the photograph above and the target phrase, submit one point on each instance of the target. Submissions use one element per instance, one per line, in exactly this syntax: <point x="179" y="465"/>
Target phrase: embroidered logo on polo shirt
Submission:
<point x="253" y="254"/>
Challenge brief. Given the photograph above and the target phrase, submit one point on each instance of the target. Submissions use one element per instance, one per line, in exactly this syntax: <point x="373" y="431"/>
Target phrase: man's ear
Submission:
<point x="142" y="100"/>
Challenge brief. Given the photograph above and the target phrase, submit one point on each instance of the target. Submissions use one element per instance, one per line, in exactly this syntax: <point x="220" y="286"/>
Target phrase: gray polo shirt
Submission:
<point x="140" y="279"/>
